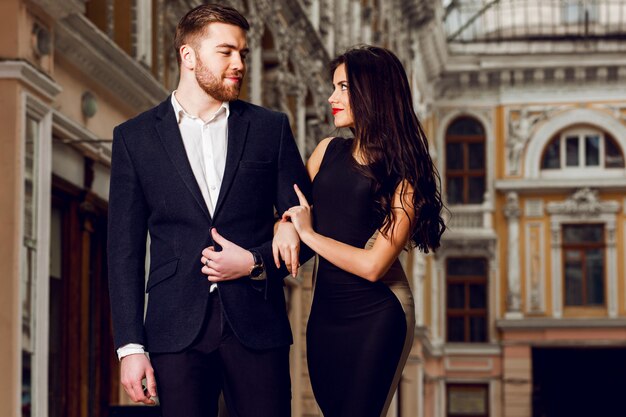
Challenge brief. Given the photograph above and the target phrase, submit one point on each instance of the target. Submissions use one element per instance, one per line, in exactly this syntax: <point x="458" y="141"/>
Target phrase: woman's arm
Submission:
<point x="370" y="264"/>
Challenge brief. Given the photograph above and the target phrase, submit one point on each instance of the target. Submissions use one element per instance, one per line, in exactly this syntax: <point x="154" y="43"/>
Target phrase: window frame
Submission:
<point x="582" y="247"/>
<point x="467" y="312"/>
<point x="581" y="169"/>
<point x="487" y="388"/>
<point x="36" y="110"/>
<point x="466" y="172"/>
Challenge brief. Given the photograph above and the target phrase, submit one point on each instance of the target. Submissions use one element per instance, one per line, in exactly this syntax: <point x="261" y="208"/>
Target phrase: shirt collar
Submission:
<point x="179" y="111"/>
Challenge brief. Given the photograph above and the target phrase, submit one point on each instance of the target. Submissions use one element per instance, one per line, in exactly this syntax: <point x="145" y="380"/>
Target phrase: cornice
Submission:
<point x="558" y="46"/>
<point x="551" y="323"/>
<point x="81" y="138"/>
<point x="92" y="52"/>
<point x="30" y="76"/>
<point x="552" y="185"/>
<point x="59" y="9"/>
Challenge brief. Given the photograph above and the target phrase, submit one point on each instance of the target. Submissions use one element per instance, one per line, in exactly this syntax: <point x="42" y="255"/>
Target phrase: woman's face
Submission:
<point x="339" y="99"/>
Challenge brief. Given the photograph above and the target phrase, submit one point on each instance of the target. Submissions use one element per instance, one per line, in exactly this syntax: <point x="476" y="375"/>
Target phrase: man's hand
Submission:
<point x="133" y="369"/>
<point x="231" y="262"/>
<point x="286" y="245"/>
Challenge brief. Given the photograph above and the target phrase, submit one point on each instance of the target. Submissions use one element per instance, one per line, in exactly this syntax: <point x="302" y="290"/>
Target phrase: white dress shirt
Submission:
<point x="205" y="143"/>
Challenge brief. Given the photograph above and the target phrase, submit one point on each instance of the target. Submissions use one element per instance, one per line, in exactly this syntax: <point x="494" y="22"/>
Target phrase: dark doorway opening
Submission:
<point x="579" y="382"/>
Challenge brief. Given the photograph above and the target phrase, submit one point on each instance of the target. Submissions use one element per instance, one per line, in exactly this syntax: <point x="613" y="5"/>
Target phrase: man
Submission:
<point x="202" y="173"/>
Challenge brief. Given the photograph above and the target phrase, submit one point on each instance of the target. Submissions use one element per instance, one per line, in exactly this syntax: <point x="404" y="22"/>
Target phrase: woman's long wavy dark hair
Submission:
<point x="391" y="141"/>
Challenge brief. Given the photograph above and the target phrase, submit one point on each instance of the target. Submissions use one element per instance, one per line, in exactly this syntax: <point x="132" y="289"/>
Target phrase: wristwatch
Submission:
<point x="256" y="272"/>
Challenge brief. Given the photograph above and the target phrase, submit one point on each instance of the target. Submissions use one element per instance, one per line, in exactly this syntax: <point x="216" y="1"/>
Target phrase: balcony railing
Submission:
<point x="523" y="20"/>
<point x="470" y="217"/>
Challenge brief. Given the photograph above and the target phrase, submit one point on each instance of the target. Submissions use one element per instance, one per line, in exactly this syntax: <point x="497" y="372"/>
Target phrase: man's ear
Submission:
<point x="188" y="57"/>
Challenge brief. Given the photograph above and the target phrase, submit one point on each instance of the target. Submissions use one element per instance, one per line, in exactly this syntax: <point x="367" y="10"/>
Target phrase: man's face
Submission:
<point x="220" y="61"/>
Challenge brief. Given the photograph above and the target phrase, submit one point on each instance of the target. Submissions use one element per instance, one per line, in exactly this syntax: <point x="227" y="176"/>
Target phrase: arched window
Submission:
<point x="465" y="161"/>
<point x="582" y="148"/>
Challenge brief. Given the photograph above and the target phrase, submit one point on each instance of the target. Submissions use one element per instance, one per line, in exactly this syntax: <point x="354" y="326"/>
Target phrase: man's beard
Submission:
<point x="214" y="86"/>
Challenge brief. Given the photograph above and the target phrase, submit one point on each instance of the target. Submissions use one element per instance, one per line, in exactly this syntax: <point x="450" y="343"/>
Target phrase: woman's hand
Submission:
<point x="300" y="215"/>
<point x="286" y="245"/>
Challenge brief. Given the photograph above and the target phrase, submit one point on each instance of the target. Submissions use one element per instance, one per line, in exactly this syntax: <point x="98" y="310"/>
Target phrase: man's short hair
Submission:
<point x="196" y="21"/>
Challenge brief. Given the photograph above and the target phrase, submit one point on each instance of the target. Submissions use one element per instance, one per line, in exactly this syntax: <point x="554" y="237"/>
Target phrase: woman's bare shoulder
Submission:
<point x="315" y="160"/>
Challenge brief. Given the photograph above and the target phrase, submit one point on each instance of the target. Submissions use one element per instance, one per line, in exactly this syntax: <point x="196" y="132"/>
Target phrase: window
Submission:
<point x="467" y="300"/>
<point x="468" y="400"/>
<point x="29" y="259"/>
<point x="582" y="148"/>
<point x="583" y="264"/>
<point x="34" y="258"/>
<point x="465" y="162"/>
<point x="579" y="11"/>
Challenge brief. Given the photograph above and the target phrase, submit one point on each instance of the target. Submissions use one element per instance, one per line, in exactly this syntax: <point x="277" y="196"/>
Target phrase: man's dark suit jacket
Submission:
<point x="153" y="190"/>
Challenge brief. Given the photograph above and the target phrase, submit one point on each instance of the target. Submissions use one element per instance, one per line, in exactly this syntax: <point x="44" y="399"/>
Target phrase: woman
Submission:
<point x="381" y="185"/>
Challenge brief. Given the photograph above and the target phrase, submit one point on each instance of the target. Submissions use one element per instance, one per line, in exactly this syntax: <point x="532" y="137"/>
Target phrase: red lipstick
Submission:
<point x="336" y="110"/>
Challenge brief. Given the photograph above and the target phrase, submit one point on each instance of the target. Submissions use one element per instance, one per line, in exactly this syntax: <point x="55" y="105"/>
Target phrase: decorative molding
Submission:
<point x="561" y="323"/>
<point x="582" y="207"/>
<point x="60" y="9"/>
<point x="481" y="364"/>
<point x="32" y="106"/>
<point x="471" y="349"/>
<point x="91" y="51"/>
<point x="520" y="129"/>
<point x="553" y="185"/>
<point x="535" y="265"/>
<point x="472" y="244"/>
<point x="81" y="138"/>
<point x="34" y="79"/>
<point x="583" y="203"/>
<point x="513" y="299"/>
<point x="617" y="111"/>
<point x="533" y="208"/>
<point x="603" y="120"/>
<point x="418" y="277"/>
<point x="511" y="207"/>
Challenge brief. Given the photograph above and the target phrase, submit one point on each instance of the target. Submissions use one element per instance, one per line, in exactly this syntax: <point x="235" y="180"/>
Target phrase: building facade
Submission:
<point x="524" y="306"/>
<point x="520" y="312"/>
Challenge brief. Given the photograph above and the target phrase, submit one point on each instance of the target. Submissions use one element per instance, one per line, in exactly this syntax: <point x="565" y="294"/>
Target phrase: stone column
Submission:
<point x="611" y="271"/>
<point x="512" y="214"/>
<point x="419" y="274"/>
<point x="301" y="121"/>
<point x="255" y="72"/>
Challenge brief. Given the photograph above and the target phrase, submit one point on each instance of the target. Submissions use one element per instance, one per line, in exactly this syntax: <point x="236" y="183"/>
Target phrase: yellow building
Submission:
<point x="523" y="309"/>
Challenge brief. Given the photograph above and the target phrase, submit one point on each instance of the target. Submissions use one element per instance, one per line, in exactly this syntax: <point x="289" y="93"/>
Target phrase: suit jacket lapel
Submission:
<point x="237" y="135"/>
<point x="169" y="134"/>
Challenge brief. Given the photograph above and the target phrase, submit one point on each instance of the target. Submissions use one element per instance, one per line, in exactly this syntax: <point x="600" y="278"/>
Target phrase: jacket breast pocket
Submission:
<point x="256" y="165"/>
<point x="162" y="272"/>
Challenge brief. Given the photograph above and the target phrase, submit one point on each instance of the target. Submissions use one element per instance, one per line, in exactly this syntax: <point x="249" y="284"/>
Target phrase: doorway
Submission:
<point x="578" y="382"/>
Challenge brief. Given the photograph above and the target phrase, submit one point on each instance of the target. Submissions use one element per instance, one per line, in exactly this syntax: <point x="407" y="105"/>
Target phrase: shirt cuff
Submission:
<point x="130" y="349"/>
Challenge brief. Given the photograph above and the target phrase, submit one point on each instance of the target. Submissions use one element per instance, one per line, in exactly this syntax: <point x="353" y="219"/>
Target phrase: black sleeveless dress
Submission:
<point x="357" y="329"/>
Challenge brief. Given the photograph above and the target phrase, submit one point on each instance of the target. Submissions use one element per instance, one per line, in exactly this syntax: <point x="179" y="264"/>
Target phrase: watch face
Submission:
<point x="256" y="271"/>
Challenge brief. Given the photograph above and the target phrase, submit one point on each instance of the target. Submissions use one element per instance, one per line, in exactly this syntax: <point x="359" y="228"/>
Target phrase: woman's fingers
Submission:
<point x="301" y="197"/>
